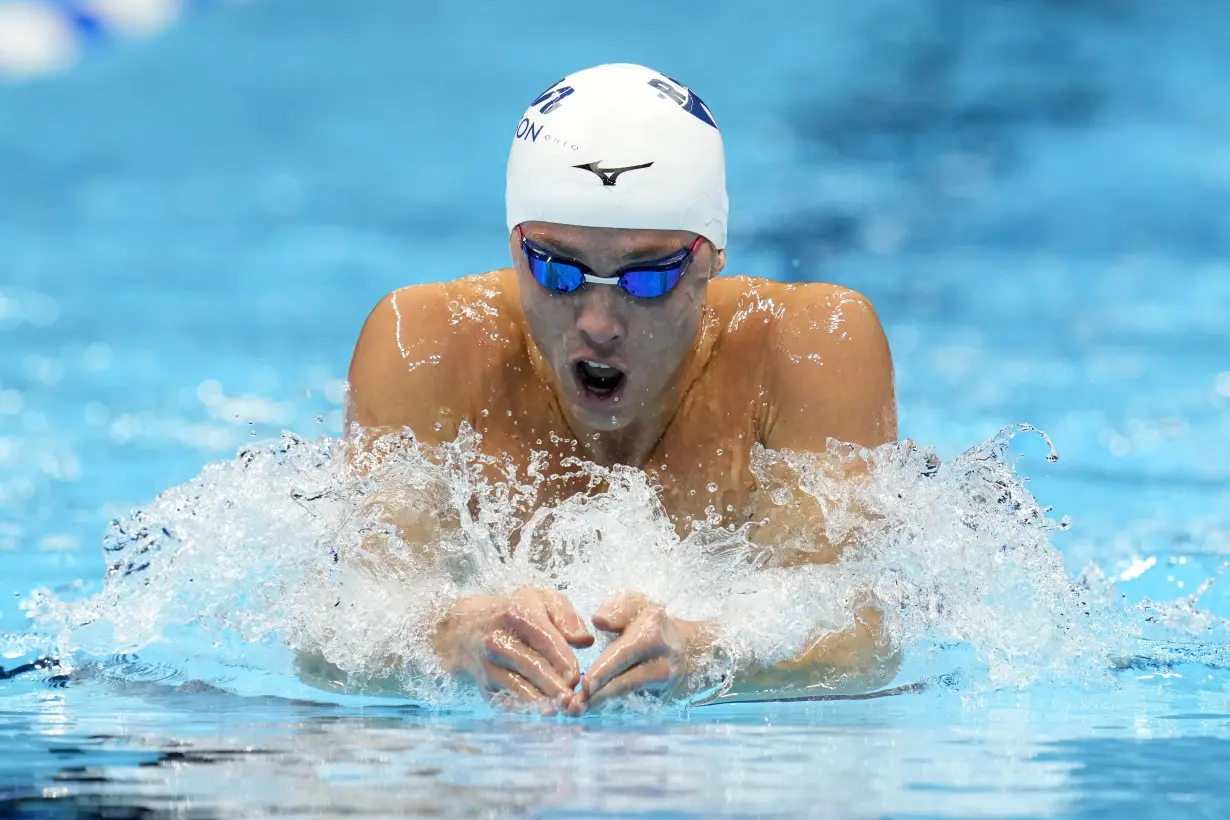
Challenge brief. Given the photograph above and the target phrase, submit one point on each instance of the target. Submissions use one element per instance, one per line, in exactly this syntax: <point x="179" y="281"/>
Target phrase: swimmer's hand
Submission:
<point x="650" y="655"/>
<point x="515" y="647"/>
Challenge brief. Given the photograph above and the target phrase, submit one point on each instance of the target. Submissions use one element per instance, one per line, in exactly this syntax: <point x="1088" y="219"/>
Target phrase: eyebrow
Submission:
<point x="565" y="248"/>
<point x="562" y="248"/>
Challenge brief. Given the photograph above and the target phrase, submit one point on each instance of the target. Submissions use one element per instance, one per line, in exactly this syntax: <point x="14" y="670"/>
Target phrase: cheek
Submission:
<point x="666" y="333"/>
<point x="686" y="306"/>
<point x="547" y="317"/>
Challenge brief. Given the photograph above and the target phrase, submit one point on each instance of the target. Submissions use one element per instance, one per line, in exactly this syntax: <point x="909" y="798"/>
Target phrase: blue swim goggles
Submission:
<point x="646" y="280"/>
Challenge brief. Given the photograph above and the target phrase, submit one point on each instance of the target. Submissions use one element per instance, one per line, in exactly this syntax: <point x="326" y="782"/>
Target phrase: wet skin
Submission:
<point x="692" y="380"/>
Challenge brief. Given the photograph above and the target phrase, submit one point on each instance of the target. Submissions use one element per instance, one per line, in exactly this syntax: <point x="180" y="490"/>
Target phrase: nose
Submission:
<point x="599" y="320"/>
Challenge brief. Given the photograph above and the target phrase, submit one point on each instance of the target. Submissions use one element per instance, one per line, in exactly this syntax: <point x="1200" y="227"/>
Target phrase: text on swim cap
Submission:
<point x="551" y="98"/>
<point x="530" y="131"/>
<point x="527" y="130"/>
<point x="688" y="101"/>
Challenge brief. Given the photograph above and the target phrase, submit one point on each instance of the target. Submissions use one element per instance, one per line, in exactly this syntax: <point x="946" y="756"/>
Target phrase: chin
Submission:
<point x="602" y="419"/>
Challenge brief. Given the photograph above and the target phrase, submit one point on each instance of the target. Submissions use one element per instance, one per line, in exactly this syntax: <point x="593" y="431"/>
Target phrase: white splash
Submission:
<point x="287" y="544"/>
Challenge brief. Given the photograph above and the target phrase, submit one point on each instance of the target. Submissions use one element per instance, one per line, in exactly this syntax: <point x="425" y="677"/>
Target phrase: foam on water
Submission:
<point x="289" y="544"/>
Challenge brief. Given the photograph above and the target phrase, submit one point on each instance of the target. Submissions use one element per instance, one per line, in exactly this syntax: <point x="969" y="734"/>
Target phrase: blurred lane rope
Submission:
<point x="47" y="37"/>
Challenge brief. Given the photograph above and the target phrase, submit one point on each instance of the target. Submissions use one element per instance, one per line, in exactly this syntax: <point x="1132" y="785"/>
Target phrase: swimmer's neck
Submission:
<point x="634" y="444"/>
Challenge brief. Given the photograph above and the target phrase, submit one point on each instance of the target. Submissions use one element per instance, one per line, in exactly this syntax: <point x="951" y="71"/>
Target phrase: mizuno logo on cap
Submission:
<point x="609" y="175"/>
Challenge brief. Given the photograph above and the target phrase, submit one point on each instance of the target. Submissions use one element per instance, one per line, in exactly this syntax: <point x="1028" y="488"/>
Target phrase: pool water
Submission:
<point x="193" y="228"/>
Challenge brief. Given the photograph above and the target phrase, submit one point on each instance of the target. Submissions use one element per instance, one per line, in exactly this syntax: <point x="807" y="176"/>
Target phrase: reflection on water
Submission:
<point x="1003" y="756"/>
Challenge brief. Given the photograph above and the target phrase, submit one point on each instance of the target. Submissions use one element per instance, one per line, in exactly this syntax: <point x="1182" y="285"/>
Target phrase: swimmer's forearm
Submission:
<point x="857" y="659"/>
<point x="839" y="663"/>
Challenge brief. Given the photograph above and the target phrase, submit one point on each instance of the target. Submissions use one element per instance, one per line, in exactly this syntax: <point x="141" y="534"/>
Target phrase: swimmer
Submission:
<point x="614" y="337"/>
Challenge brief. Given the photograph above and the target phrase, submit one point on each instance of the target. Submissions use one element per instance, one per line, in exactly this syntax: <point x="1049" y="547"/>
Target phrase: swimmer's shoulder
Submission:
<point x="821" y="352"/>
<point x="424" y="349"/>
<point x="787" y="314"/>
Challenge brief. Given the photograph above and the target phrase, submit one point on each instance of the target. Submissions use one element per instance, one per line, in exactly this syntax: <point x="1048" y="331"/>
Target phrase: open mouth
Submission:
<point x="599" y="380"/>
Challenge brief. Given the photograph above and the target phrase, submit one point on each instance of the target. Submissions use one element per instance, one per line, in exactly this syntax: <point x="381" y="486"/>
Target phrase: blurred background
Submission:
<point x="201" y="201"/>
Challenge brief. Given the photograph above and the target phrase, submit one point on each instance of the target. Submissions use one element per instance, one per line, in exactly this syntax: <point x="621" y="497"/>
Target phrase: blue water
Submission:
<point x="1035" y="197"/>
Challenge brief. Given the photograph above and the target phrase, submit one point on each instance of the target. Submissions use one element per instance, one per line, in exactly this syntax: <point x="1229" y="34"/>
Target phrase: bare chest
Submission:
<point x="701" y="465"/>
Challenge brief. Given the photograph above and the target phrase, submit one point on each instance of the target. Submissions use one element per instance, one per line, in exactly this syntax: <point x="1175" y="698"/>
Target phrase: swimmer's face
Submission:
<point x="613" y="354"/>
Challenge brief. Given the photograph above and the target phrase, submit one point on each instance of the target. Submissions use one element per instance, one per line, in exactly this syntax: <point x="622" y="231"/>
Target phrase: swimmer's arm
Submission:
<point x="394" y="386"/>
<point x="848" y="395"/>
<point x="832" y="376"/>
<point x="400" y="383"/>
<point x="655" y="652"/>
<point x="854" y="660"/>
<point x="406" y="372"/>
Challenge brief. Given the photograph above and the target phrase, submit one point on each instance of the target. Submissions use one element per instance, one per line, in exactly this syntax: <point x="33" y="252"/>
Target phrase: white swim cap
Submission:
<point x="619" y="146"/>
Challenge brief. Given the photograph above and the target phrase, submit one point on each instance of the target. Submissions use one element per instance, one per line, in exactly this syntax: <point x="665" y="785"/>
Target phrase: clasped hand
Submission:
<point x="518" y="648"/>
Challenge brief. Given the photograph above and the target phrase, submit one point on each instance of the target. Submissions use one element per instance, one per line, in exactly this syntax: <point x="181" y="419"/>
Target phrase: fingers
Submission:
<point x="618" y="612"/>
<point x="574" y="706"/>
<point x="504" y="650"/>
<point x="651" y="676"/>
<point x="635" y="645"/>
<point x="510" y="691"/>
<point x="528" y="619"/>
<point x="566" y="620"/>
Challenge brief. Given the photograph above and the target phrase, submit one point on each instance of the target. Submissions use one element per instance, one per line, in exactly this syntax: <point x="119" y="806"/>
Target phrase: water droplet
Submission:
<point x="320" y="419"/>
<point x="720" y="451"/>
<point x="781" y="496"/>
<point x="713" y="487"/>
<point x="730" y="508"/>
<point x="485" y="412"/>
<point x="508" y="413"/>
<point x="437" y="426"/>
